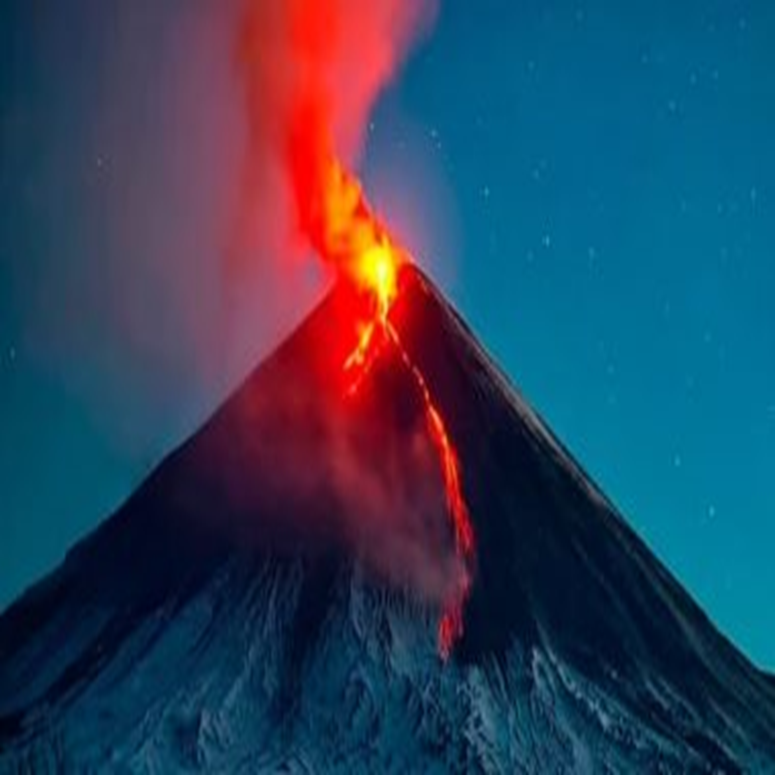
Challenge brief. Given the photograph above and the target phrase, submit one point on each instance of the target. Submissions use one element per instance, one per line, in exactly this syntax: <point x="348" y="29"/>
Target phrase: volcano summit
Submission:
<point x="268" y="600"/>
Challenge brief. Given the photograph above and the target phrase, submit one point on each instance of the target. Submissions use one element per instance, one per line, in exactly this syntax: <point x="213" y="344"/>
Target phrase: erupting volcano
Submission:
<point x="226" y="619"/>
<point x="304" y="46"/>
<point x="346" y="232"/>
<point x="275" y="595"/>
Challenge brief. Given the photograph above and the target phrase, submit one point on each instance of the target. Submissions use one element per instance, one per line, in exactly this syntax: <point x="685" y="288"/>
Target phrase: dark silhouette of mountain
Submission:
<point x="268" y="598"/>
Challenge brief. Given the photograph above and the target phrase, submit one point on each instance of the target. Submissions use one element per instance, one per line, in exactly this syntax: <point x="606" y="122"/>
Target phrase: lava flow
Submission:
<point x="365" y="255"/>
<point x="313" y="70"/>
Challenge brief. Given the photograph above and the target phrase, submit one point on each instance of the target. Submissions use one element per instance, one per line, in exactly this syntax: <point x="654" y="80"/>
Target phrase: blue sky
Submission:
<point x="592" y="182"/>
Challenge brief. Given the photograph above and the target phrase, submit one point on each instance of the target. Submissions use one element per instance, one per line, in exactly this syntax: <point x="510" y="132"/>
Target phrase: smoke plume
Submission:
<point x="312" y="72"/>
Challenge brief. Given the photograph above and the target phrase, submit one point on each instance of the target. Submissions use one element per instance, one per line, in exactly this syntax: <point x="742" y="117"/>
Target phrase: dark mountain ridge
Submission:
<point x="233" y="615"/>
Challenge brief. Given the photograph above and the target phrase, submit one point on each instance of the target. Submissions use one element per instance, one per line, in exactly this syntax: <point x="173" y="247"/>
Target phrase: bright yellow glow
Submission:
<point x="349" y="235"/>
<point x="378" y="272"/>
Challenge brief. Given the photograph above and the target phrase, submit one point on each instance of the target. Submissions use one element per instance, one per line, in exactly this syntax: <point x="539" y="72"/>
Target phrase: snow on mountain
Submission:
<point x="261" y="604"/>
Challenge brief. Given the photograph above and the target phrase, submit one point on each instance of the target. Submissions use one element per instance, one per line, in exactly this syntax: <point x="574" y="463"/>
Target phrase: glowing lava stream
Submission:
<point x="313" y="71"/>
<point x="378" y="269"/>
<point x="343" y="229"/>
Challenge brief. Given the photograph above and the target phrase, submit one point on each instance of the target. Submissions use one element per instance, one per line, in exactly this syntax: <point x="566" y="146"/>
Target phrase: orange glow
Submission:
<point x="378" y="268"/>
<point x="376" y="272"/>
<point x="347" y="234"/>
<point x="312" y="71"/>
<point x="451" y="624"/>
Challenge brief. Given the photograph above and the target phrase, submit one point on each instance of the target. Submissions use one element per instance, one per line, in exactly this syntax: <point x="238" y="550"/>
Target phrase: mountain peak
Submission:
<point x="268" y="597"/>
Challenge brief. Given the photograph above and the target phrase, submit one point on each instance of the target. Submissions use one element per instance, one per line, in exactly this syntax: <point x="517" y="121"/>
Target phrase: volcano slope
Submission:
<point x="248" y="610"/>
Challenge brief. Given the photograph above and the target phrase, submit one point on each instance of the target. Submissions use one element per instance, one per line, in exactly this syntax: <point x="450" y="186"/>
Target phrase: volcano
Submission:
<point x="247" y="608"/>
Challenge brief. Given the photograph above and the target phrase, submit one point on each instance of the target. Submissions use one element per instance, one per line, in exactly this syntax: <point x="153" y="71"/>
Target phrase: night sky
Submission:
<point x="593" y="184"/>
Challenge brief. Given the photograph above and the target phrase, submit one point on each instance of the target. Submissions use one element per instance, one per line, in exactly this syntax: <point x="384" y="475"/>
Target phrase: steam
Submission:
<point x="312" y="71"/>
<point x="123" y="152"/>
<point x="153" y="230"/>
<point x="394" y="514"/>
<point x="300" y="471"/>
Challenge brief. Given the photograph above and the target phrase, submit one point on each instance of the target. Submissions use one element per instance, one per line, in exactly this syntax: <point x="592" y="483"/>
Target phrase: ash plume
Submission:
<point x="311" y="72"/>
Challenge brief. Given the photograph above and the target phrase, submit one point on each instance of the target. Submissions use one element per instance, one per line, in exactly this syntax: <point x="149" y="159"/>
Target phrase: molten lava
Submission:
<point x="348" y="234"/>
<point x="451" y="624"/>
<point x="313" y="70"/>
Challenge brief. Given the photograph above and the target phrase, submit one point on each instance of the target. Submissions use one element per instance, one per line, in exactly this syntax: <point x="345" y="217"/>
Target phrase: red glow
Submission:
<point x="451" y="624"/>
<point x="374" y="269"/>
<point x="313" y="69"/>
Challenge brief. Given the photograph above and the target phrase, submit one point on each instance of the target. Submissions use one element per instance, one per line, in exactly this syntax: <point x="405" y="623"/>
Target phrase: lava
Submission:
<point x="451" y="624"/>
<point x="347" y="234"/>
<point x="313" y="70"/>
<point x="374" y="270"/>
